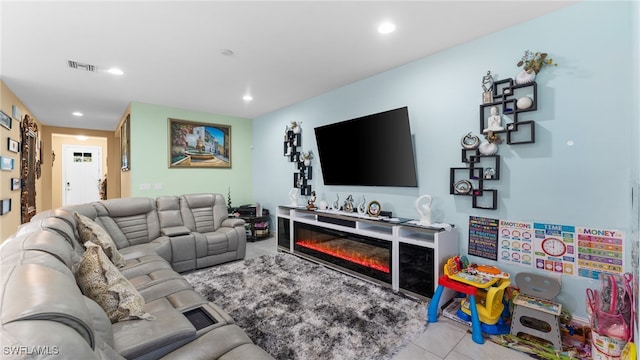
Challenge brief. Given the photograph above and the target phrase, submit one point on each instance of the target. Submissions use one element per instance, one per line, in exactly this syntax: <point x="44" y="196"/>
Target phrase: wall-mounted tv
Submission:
<point x="373" y="150"/>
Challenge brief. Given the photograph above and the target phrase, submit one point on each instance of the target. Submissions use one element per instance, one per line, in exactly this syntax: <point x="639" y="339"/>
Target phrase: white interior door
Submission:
<point x="81" y="174"/>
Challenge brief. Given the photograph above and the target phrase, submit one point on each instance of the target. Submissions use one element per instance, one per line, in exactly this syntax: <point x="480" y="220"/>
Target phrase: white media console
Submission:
<point x="417" y="253"/>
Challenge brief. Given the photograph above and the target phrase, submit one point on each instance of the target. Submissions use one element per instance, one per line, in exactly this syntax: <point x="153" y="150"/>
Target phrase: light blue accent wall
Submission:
<point x="590" y="99"/>
<point x="150" y="164"/>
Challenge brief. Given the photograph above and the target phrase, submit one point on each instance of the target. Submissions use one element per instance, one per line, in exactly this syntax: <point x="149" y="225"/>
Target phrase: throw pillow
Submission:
<point x="101" y="281"/>
<point x="89" y="230"/>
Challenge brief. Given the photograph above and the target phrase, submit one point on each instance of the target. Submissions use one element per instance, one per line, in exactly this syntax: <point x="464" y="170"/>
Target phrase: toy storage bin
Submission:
<point x="605" y="348"/>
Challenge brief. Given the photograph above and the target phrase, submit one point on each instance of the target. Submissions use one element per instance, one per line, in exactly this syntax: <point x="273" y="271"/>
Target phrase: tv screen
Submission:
<point x="373" y="150"/>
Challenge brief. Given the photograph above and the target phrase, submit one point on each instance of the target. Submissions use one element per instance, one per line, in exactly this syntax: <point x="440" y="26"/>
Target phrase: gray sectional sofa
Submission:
<point x="44" y="313"/>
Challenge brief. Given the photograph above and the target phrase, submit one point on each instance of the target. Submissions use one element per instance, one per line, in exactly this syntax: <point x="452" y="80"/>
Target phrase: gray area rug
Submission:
<point x="296" y="309"/>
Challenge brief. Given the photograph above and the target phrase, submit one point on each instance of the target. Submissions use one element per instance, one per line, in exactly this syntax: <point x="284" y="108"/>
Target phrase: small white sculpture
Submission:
<point x="494" y="121"/>
<point x="362" y="206"/>
<point x="423" y="207"/>
<point x="336" y="204"/>
<point x="293" y="196"/>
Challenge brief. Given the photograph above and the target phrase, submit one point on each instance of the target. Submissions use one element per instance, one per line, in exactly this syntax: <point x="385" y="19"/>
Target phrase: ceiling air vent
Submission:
<point x="81" y="66"/>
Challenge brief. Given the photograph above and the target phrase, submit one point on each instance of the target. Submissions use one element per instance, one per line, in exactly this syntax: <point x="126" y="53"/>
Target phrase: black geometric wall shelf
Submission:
<point x="292" y="141"/>
<point x="512" y="101"/>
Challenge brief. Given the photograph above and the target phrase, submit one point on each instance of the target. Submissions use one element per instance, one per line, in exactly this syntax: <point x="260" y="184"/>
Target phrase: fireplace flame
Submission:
<point x="344" y="254"/>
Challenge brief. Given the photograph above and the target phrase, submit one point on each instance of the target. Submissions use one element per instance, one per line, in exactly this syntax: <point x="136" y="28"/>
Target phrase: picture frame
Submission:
<point x="16" y="113"/>
<point x="16" y="184"/>
<point x="6" y="206"/>
<point x="125" y="145"/>
<point x="5" y="120"/>
<point x="199" y="145"/>
<point x="13" y="145"/>
<point x="7" y="163"/>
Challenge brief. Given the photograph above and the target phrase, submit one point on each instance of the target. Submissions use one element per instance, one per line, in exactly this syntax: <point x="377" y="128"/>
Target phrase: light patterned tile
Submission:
<point x="488" y="350"/>
<point x="414" y="352"/>
<point x="440" y="337"/>
<point x="454" y="355"/>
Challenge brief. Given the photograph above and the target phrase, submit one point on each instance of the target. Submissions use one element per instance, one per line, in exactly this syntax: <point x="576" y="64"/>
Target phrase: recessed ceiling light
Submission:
<point x="247" y="97"/>
<point x="115" y="71"/>
<point x="77" y="113"/>
<point x="82" y="137"/>
<point x="386" y="28"/>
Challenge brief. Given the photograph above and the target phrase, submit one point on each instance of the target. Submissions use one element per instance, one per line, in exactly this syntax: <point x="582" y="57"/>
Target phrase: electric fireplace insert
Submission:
<point x="361" y="254"/>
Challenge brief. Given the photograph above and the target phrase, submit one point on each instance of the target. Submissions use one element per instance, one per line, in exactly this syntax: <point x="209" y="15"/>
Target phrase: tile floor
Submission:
<point x="444" y="339"/>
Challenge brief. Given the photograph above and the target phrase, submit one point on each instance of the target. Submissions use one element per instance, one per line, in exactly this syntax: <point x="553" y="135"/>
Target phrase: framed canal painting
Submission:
<point x="199" y="145"/>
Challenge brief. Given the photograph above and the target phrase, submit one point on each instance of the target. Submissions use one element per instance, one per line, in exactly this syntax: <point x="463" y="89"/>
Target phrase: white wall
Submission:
<point x="588" y="99"/>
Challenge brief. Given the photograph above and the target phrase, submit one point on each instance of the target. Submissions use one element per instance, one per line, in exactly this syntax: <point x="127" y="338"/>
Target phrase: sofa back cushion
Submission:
<point x="22" y="295"/>
<point x="129" y="221"/>
<point x="203" y="213"/>
<point x="169" y="211"/>
<point x="43" y="246"/>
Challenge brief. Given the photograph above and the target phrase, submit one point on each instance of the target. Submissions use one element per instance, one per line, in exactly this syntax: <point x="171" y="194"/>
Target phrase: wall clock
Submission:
<point x="553" y="247"/>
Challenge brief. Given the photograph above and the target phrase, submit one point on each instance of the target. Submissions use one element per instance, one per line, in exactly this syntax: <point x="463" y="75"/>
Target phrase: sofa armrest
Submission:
<point x="175" y="231"/>
<point x="169" y="331"/>
<point x="232" y="222"/>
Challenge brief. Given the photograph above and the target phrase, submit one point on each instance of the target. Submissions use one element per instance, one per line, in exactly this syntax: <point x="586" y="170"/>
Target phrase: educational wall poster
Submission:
<point x="600" y="251"/>
<point x="563" y="249"/>
<point x="554" y="248"/>
<point x="483" y="237"/>
<point x="516" y="242"/>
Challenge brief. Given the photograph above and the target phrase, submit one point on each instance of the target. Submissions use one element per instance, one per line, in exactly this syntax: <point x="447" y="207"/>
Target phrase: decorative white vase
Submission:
<point x="487" y="148"/>
<point x="524" y="102"/>
<point x="323" y="205"/>
<point x="525" y="77"/>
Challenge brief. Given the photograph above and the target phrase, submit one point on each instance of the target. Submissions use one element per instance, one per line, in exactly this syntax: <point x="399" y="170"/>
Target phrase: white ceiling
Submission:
<point x="284" y="52"/>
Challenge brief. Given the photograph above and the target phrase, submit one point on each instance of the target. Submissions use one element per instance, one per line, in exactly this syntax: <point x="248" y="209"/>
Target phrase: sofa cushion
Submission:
<point x="88" y="230"/>
<point x="101" y="281"/>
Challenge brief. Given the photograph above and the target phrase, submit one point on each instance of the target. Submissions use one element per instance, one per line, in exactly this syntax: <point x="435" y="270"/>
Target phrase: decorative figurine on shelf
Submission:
<point x="489" y="173"/>
<point x="293" y="196"/>
<point x="311" y="203"/>
<point x="362" y="206"/>
<point x="348" y="204"/>
<point x="306" y="158"/>
<point x="494" y="121"/>
<point x="487" y="86"/>
<point x="295" y="126"/>
<point x="463" y="187"/>
<point x="336" y="204"/>
<point x="423" y="207"/>
<point x="470" y="142"/>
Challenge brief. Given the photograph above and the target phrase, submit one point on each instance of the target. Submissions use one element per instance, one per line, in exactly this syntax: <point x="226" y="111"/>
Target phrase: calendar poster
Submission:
<point x="483" y="237"/>
<point x="516" y="242"/>
<point x="555" y="248"/>
<point x="600" y="251"/>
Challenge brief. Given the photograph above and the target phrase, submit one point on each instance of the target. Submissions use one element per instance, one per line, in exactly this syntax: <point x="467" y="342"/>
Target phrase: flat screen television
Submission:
<point x="372" y="150"/>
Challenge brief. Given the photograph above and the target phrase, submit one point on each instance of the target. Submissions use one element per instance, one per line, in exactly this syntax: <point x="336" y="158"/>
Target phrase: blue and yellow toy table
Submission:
<point x="466" y="282"/>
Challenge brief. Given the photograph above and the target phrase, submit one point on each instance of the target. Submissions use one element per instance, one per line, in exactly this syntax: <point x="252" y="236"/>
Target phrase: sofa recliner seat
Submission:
<point x="42" y="308"/>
